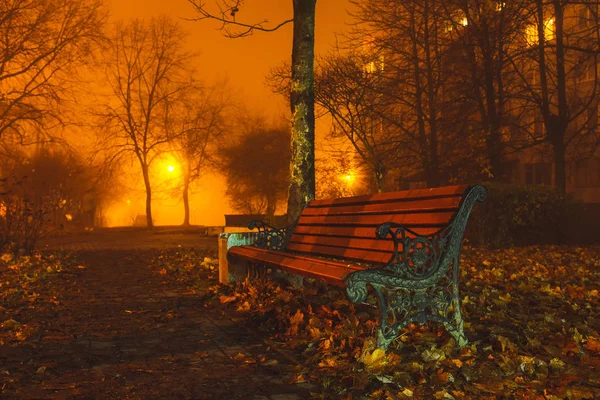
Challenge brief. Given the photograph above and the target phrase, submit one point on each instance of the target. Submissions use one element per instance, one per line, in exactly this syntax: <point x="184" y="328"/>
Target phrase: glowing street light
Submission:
<point x="170" y="168"/>
<point x="349" y="177"/>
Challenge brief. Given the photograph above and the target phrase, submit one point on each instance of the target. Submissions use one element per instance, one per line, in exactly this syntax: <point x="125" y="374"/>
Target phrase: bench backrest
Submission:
<point x="345" y="227"/>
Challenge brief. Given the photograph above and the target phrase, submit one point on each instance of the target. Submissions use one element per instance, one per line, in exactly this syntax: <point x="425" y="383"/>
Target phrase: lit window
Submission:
<point x="549" y="29"/>
<point x="374" y="66"/>
<point x="531" y="32"/>
<point x="370" y="67"/>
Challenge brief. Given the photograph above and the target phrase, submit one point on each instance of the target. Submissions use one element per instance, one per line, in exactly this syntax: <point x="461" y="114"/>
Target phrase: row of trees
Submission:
<point x="148" y="101"/>
<point x="451" y="88"/>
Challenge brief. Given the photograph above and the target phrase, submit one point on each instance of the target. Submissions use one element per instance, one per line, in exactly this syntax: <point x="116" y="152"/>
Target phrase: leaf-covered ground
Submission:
<point x="125" y="324"/>
<point x="531" y="315"/>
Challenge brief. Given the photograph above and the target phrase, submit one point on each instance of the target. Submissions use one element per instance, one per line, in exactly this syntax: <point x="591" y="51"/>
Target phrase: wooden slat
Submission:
<point x="372" y="256"/>
<point x="331" y="272"/>
<point x="447" y="203"/>
<point x="345" y="242"/>
<point x="426" y="219"/>
<point x="444" y="191"/>
<point x="350" y="231"/>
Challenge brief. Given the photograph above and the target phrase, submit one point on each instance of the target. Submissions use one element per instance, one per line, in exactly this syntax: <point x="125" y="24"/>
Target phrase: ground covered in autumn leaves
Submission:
<point x="127" y="324"/>
<point x="531" y="316"/>
<point x="153" y="323"/>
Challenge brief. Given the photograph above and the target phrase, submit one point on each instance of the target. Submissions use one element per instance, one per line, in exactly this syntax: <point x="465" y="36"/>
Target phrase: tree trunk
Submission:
<point x="186" y="199"/>
<point x="271" y="206"/>
<point x="380" y="173"/>
<point x="146" y="174"/>
<point x="559" y="134"/>
<point x="493" y="138"/>
<point x="302" y="98"/>
<point x="433" y="179"/>
<point x="560" y="166"/>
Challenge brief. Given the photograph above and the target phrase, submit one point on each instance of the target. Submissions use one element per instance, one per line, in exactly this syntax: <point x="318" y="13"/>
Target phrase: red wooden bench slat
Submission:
<point x="448" y="203"/>
<point x="431" y="218"/>
<point x="345" y="242"/>
<point x="358" y="232"/>
<point x="329" y="271"/>
<point x="373" y="256"/>
<point x="445" y="191"/>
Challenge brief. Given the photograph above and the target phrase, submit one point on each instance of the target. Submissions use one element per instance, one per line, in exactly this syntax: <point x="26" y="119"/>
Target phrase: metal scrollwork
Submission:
<point x="420" y="282"/>
<point x="269" y="237"/>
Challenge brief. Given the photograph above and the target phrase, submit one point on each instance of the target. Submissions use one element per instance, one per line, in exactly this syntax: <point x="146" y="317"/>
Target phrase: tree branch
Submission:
<point x="226" y="16"/>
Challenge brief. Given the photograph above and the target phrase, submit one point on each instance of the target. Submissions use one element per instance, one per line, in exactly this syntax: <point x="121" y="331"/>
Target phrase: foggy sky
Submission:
<point x="243" y="63"/>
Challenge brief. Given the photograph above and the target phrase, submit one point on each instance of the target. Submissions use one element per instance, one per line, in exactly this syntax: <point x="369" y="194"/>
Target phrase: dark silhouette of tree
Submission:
<point x="256" y="168"/>
<point x="350" y="92"/>
<point x="198" y="124"/>
<point x="44" y="191"/>
<point x="43" y="45"/>
<point x="302" y="167"/>
<point x="148" y="71"/>
<point x="408" y="35"/>
<point x="558" y="69"/>
<point x="478" y="73"/>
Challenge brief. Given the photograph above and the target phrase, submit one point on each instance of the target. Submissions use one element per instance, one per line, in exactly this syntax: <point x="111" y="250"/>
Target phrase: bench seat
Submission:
<point x="331" y="272"/>
<point x="405" y="246"/>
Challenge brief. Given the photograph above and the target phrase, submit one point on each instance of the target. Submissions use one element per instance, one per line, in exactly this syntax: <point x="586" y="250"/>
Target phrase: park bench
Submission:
<point x="404" y="245"/>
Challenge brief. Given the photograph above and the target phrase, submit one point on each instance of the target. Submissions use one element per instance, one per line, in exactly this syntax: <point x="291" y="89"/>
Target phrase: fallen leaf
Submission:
<point x="227" y="299"/>
<point x="10" y="324"/>
<point x="592" y="345"/>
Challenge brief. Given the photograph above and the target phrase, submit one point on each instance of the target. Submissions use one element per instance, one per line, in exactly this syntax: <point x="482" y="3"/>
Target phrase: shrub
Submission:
<point x="520" y="215"/>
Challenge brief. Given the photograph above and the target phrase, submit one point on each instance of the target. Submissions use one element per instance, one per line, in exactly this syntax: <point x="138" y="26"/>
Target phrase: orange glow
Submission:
<point x="243" y="63"/>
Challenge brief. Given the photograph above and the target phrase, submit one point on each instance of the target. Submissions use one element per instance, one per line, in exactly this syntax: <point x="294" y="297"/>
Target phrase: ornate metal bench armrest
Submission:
<point x="414" y="258"/>
<point x="270" y="237"/>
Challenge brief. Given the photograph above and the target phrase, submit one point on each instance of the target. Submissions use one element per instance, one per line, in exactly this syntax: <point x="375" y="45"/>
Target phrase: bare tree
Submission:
<point x="43" y="44"/>
<point x="147" y="70"/>
<point x="256" y="167"/>
<point x="558" y="69"/>
<point x="478" y="72"/>
<point x="302" y="167"/>
<point x="408" y="35"/>
<point x="198" y="124"/>
<point x="349" y="88"/>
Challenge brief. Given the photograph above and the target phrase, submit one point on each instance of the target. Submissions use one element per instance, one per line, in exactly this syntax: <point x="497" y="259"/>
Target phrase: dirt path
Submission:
<point x="119" y="330"/>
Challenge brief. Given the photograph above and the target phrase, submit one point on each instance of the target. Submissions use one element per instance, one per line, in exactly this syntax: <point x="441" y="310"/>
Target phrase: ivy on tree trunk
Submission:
<point x="302" y="97"/>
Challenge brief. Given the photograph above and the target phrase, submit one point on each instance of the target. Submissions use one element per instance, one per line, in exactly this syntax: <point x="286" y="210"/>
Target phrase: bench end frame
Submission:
<point x="420" y="282"/>
<point x="233" y="272"/>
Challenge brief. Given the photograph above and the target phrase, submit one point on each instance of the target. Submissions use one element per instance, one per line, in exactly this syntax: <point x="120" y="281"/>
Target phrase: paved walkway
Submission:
<point x="120" y="330"/>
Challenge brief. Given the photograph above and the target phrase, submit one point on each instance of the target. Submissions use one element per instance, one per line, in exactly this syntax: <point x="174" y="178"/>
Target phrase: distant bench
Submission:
<point x="404" y="245"/>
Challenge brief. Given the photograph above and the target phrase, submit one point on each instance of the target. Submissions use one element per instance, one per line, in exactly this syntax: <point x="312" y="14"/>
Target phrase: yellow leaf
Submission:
<point x="10" y="324"/>
<point x="162" y="271"/>
<point x="578" y="339"/>
<point x="375" y="360"/>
